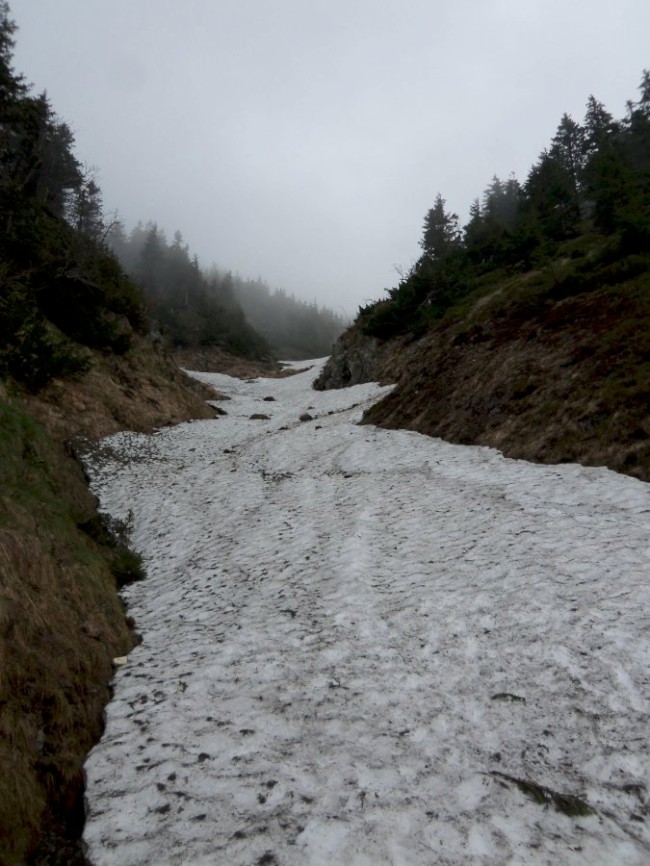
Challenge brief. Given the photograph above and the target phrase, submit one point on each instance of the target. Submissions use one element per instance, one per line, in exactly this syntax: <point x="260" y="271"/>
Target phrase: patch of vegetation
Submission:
<point x="126" y="564"/>
<point x="33" y="350"/>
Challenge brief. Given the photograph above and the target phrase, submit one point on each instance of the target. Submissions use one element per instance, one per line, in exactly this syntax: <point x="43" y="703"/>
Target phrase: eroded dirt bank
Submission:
<point x="553" y="382"/>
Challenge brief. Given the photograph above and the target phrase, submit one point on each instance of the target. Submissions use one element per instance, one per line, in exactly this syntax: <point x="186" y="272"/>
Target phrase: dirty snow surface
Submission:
<point x="371" y="647"/>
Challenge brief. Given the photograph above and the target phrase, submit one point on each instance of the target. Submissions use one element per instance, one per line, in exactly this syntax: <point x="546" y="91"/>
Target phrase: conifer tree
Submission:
<point x="598" y="126"/>
<point x="568" y="148"/>
<point x="441" y="232"/>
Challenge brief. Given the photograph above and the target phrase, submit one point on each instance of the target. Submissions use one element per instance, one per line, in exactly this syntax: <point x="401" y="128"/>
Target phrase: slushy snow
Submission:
<point x="371" y="647"/>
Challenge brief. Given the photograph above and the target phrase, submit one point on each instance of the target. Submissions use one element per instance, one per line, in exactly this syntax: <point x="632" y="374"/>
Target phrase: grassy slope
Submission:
<point x="60" y="625"/>
<point x="546" y="366"/>
<point x="61" y="621"/>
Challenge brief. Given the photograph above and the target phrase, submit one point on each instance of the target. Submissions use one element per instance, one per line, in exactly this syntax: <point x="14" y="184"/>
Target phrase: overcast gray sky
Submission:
<point x="304" y="140"/>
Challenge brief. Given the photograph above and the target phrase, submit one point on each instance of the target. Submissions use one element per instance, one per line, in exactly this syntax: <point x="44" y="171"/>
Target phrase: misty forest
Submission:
<point x="196" y="308"/>
<point x="319" y="624"/>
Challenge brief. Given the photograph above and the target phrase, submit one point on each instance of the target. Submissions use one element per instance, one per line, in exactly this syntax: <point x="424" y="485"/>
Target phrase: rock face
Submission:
<point x="355" y="359"/>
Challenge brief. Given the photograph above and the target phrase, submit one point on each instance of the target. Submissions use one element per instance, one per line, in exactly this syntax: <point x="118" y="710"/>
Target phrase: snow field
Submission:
<point x="360" y="645"/>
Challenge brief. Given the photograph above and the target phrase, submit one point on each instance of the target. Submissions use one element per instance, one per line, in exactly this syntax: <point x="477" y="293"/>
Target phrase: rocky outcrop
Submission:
<point x="355" y="359"/>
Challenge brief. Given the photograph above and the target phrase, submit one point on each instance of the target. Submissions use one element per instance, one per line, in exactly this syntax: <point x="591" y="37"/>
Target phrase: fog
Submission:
<point x="304" y="141"/>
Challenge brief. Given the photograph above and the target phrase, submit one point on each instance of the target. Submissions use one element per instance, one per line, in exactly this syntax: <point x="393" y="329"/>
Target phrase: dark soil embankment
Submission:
<point x="530" y="366"/>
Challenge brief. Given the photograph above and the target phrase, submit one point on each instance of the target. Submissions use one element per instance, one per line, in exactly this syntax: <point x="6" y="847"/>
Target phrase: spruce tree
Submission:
<point x="441" y="234"/>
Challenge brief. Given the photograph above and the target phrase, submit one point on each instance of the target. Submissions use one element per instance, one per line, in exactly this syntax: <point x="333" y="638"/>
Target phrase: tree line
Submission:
<point x="187" y="308"/>
<point x="296" y="329"/>
<point x="593" y="178"/>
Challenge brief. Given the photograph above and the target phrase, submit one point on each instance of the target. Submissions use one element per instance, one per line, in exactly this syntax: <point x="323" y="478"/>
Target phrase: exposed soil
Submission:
<point x="141" y="391"/>
<point x="545" y="381"/>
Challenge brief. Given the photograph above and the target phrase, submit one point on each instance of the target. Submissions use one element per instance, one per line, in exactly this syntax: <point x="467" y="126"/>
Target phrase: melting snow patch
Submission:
<point x="371" y="647"/>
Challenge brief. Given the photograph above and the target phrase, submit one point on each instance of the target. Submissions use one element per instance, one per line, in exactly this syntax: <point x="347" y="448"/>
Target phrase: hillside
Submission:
<point x="294" y="329"/>
<point x="206" y="313"/>
<point x="528" y="329"/>
<point x="537" y="366"/>
<point x="188" y="309"/>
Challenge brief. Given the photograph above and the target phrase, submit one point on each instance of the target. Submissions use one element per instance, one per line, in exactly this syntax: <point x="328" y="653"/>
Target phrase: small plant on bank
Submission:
<point x="126" y="564"/>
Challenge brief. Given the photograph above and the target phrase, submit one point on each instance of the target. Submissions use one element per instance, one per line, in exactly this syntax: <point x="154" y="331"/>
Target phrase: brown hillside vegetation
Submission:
<point x="141" y="390"/>
<point x="535" y="365"/>
<point x="61" y="621"/>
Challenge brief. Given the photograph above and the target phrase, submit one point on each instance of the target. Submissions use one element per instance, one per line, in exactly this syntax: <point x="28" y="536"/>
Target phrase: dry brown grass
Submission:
<point x="142" y="390"/>
<point x="60" y="625"/>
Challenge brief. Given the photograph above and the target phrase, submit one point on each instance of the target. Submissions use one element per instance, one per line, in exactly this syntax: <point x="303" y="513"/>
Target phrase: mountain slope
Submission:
<point x="529" y="328"/>
<point x="544" y="366"/>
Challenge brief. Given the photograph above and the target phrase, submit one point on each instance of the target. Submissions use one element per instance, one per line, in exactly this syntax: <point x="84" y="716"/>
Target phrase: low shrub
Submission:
<point x="126" y="564"/>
